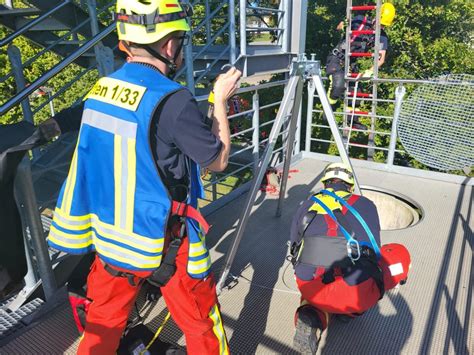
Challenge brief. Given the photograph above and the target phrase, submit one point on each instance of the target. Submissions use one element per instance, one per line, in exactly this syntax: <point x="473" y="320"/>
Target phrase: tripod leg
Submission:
<point x="288" y="97"/>
<point x="290" y="144"/>
<point x="334" y="129"/>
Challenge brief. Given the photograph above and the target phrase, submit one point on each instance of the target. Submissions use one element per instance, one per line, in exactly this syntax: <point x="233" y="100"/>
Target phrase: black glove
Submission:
<point x="48" y="130"/>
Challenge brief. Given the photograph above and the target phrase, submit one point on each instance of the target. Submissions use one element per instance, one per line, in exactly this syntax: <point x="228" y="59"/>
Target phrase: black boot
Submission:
<point x="308" y="330"/>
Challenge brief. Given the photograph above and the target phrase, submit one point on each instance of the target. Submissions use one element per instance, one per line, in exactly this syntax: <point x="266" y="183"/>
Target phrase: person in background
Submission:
<point x="335" y="62"/>
<point x="340" y="268"/>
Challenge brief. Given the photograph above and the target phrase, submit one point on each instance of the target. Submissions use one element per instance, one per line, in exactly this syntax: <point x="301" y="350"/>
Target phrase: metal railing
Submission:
<point x="54" y="44"/>
<point x="281" y="23"/>
<point x="55" y="70"/>
<point x="249" y="139"/>
<point x="386" y="142"/>
<point x="32" y="24"/>
<point x="257" y="118"/>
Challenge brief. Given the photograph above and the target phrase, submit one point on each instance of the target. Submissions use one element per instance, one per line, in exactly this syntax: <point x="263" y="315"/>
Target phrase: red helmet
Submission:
<point x="395" y="263"/>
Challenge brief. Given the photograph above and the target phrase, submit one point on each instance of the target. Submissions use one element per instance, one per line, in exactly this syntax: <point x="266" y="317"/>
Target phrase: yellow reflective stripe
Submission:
<point x="118" y="179"/>
<point x="60" y="221"/>
<point x="68" y="235"/>
<point x="195" y="267"/>
<point x="70" y="183"/>
<point x="218" y="330"/>
<point x="55" y="236"/>
<point x="122" y="250"/>
<point x="122" y="236"/>
<point x="69" y="245"/>
<point x="197" y="249"/>
<point x="131" y="182"/>
<point x="61" y="212"/>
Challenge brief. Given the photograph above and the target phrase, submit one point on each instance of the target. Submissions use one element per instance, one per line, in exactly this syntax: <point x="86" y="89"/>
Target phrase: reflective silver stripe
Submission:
<point x="124" y="255"/>
<point x="82" y="223"/>
<point x="196" y="249"/>
<point x="200" y="266"/>
<point x="79" y="240"/>
<point x="219" y="330"/>
<point x="101" y="228"/>
<point x="124" y="183"/>
<point x="109" y="123"/>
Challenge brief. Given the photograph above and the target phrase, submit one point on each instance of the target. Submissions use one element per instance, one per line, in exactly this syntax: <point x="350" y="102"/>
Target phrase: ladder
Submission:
<point x="353" y="94"/>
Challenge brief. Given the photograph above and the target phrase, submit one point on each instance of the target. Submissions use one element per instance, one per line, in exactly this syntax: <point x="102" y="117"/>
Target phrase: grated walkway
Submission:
<point x="431" y="314"/>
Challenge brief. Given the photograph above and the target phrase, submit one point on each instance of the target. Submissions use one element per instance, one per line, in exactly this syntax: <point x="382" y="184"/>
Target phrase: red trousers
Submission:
<point x="191" y="302"/>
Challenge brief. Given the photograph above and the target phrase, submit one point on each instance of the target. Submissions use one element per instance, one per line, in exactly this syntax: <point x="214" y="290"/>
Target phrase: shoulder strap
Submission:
<point x="359" y="218"/>
<point x="305" y="222"/>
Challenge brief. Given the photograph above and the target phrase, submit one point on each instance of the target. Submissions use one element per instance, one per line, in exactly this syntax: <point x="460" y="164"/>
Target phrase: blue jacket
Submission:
<point x="113" y="200"/>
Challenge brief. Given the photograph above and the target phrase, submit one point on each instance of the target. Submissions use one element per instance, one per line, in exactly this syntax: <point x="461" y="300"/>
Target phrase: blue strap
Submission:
<point x="350" y="240"/>
<point x="358" y="217"/>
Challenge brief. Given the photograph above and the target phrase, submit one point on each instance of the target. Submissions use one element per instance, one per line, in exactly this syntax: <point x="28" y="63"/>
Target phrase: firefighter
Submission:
<point x="132" y="189"/>
<point x="339" y="266"/>
<point x="335" y="61"/>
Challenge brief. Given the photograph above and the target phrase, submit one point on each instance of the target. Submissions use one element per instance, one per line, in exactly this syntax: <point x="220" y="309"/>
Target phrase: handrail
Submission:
<point x="263" y="29"/>
<point x="204" y="47"/>
<point x="64" y="88"/>
<point x="45" y="50"/>
<point x="53" y="44"/>
<point x="207" y="18"/>
<point x="406" y="81"/>
<point x="33" y="23"/>
<point x="259" y="87"/>
<point x="211" y="65"/>
<point x="56" y="69"/>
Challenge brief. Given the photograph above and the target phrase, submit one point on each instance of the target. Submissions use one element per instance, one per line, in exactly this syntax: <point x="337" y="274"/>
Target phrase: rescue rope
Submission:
<point x="156" y="334"/>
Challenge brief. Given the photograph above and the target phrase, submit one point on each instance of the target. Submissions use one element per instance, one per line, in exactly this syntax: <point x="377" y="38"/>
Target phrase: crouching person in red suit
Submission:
<point x="340" y="268"/>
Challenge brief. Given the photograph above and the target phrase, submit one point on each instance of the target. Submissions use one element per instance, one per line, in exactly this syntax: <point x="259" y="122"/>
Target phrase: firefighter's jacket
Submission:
<point x="113" y="200"/>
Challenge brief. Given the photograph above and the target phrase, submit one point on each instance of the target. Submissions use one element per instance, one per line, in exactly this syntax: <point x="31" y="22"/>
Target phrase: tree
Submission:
<point x="427" y="39"/>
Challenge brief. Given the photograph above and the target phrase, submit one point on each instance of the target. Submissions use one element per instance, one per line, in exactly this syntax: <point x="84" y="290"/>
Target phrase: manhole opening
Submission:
<point x="396" y="211"/>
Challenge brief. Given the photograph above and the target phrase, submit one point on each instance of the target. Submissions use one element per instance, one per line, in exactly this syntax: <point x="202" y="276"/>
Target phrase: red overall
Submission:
<point x="191" y="302"/>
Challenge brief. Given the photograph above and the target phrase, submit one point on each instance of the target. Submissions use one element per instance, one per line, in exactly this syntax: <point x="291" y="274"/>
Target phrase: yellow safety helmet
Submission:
<point x="387" y="14"/>
<point x="339" y="171"/>
<point x="148" y="21"/>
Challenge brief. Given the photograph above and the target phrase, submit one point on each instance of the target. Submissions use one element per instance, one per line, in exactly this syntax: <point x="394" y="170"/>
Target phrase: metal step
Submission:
<point x="49" y="24"/>
<point x="11" y="322"/>
<point x="260" y="59"/>
<point x="6" y="11"/>
<point x="41" y="38"/>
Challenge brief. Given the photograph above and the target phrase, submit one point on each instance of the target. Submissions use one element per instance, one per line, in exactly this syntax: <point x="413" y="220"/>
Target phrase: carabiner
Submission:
<point x="350" y="245"/>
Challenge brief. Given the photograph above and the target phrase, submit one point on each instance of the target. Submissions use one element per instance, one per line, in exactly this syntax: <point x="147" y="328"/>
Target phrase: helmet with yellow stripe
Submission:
<point x="339" y="171"/>
<point x="148" y="21"/>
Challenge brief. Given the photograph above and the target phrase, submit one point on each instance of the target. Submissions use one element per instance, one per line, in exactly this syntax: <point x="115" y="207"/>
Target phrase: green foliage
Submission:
<point x="427" y="39"/>
<point x="79" y="79"/>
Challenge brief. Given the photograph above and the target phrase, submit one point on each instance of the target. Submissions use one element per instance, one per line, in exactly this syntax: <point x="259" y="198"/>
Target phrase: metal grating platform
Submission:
<point x="11" y="322"/>
<point x="432" y="314"/>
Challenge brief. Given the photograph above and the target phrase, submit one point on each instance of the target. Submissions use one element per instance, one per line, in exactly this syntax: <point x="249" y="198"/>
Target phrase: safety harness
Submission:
<point x="177" y="227"/>
<point x="344" y="252"/>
